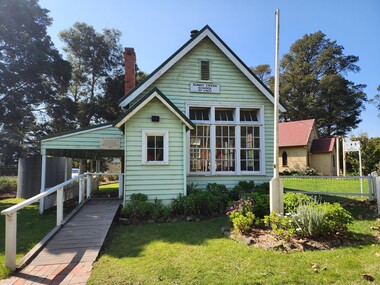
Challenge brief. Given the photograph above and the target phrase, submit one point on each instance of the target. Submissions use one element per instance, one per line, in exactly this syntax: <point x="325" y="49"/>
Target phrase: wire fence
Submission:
<point x="330" y="185"/>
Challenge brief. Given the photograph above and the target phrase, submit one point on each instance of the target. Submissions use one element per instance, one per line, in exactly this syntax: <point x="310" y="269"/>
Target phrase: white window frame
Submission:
<point x="144" y="148"/>
<point x="213" y="123"/>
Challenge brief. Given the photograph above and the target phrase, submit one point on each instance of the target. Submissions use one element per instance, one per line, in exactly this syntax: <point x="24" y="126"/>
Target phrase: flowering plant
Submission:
<point x="241" y="216"/>
<point x="242" y="206"/>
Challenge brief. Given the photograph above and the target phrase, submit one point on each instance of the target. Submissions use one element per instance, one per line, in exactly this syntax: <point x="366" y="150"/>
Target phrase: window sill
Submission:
<point x="155" y="163"/>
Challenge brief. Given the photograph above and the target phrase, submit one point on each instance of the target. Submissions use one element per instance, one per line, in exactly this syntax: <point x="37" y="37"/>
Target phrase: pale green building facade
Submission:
<point x="201" y="117"/>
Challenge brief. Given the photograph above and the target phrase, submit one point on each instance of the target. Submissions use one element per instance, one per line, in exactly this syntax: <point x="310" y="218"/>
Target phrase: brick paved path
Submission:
<point x="68" y="257"/>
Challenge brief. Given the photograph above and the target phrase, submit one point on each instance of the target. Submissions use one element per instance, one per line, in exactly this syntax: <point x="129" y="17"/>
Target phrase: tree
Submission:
<point x="370" y="150"/>
<point x="376" y="100"/>
<point x="312" y="85"/>
<point x="32" y="72"/>
<point x="96" y="60"/>
<point x="263" y="72"/>
<point x="113" y="91"/>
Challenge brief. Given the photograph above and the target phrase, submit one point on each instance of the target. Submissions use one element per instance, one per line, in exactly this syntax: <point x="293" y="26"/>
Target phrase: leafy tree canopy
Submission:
<point x="376" y="100"/>
<point x="32" y="72"/>
<point x="263" y="72"/>
<point x="312" y="85"/>
<point x="96" y="60"/>
<point x="370" y="149"/>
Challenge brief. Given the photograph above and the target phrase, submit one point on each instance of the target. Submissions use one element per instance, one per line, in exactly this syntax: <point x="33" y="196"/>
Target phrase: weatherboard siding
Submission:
<point x="235" y="89"/>
<point x="163" y="182"/>
<point x="89" y="139"/>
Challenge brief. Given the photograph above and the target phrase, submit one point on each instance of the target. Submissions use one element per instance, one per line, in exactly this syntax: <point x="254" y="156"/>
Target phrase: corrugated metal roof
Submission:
<point x="322" y="145"/>
<point x="295" y="133"/>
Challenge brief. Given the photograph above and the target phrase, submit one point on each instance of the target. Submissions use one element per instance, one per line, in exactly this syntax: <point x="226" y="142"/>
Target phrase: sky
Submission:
<point x="156" y="29"/>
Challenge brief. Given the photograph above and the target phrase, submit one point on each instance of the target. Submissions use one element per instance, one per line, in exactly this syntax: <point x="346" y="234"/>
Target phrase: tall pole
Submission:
<point x="276" y="96"/>
<point x="276" y="192"/>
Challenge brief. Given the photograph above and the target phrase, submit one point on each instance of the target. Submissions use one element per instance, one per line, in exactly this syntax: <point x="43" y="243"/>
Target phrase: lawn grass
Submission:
<point x="108" y="190"/>
<point x="328" y="185"/>
<point x="198" y="253"/>
<point x="31" y="228"/>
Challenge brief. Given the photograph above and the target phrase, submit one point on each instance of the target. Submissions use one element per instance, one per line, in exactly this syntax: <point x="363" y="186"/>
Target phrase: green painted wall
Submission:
<point x="157" y="181"/>
<point x="89" y="139"/>
<point x="235" y="89"/>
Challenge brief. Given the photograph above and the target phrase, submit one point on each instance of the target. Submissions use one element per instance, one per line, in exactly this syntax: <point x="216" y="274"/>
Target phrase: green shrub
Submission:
<point x="242" y="223"/>
<point x="262" y="188"/>
<point x="8" y="184"/>
<point x="162" y="211"/>
<point x="309" y="220"/>
<point x="281" y="225"/>
<point x="200" y="203"/>
<point x="178" y="205"/>
<point x="293" y="200"/>
<point x="261" y="202"/>
<point x="191" y="187"/>
<point x="139" y="197"/>
<point x="337" y="218"/>
<point x="321" y="220"/>
<point x="220" y="191"/>
<point x="139" y="210"/>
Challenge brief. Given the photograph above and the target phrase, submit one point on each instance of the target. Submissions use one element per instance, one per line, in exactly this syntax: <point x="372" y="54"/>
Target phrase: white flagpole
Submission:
<point x="276" y="192"/>
<point x="276" y="96"/>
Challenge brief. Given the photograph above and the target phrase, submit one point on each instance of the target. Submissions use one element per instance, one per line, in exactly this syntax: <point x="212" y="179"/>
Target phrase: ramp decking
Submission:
<point x="67" y="258"/>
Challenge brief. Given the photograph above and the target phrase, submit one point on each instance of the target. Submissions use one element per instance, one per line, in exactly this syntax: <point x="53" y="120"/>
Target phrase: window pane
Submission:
<point x="159" y="142"/>
<point x="200" y="114"/>
<point x="159" y="154"/>
<point x="151" y="141"/>
<point x="224" y="115"/>
<point x="250" y="148"/>
<point x="257" y="143"/>
<point x="200" y="149"/>
<point x="155" y="148"/>
<point x="257" y="132"/>
<point x="248" y="115"/>
<point x="225" y="148"/>
<point x="150" y="154"/>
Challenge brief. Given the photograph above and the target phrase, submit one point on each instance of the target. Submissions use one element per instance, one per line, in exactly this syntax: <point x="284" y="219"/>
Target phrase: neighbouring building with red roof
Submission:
<point x="300" y="147"/>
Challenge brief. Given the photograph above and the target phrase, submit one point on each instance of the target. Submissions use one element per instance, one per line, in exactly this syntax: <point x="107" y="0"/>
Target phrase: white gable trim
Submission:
<point x="155" y="94"/>
<point x="76" y="133"/>
<point x="191" y="45"/>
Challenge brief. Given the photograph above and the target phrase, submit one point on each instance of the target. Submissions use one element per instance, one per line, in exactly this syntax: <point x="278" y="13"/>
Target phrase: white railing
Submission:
<point x="11" y="212"/>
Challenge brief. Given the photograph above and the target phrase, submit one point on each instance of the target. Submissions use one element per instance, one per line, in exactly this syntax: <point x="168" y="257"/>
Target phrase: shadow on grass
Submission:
<point x="130" y="240"/>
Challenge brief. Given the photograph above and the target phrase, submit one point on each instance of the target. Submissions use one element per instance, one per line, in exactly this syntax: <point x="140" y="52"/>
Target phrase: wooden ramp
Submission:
<point x="67" y="258"/>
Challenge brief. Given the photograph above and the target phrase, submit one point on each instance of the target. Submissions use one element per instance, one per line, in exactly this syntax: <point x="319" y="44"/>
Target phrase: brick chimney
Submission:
<point x="130" y="67"/>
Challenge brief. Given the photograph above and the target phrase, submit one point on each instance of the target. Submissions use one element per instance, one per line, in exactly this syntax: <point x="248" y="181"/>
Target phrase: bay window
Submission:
<point x="226" y="140"/>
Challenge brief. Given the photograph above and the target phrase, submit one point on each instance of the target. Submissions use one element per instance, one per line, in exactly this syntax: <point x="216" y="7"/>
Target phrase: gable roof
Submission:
<point x="154" y="93"/>
<point x="189" y="45"/>
<point x="295" y="133"/>
<point x="324" y="145"/>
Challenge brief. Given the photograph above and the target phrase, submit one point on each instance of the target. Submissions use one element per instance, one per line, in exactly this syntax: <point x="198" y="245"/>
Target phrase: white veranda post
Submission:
<point x="276" y="191"/>
<point x="43" y="179"/>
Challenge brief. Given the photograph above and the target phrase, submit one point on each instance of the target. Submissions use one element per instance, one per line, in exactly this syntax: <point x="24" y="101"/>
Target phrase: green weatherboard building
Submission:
<point x="200" y="117"/>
